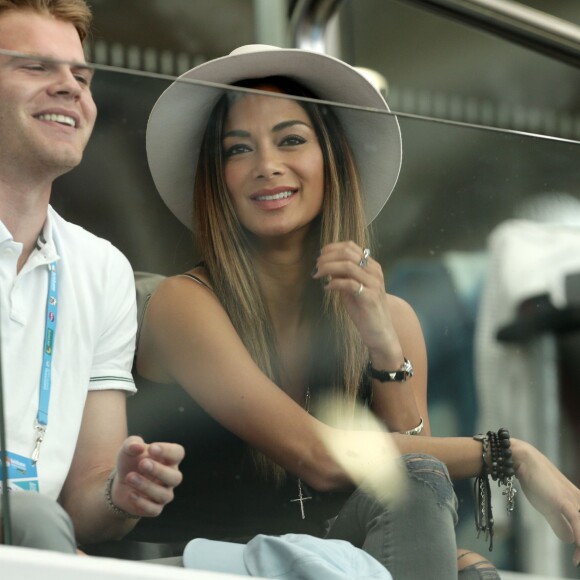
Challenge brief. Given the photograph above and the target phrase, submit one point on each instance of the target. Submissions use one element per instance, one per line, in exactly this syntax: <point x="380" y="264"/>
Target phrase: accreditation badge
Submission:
<point x="22" y="473"/>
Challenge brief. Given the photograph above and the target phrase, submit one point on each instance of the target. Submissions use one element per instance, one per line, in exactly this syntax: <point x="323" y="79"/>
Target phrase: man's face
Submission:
<point x="47" y="112"/>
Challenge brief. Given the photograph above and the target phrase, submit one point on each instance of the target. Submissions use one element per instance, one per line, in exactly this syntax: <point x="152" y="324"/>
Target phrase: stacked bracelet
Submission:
<point x="482" y="492"/>
<point x="109" y="499"/>
<point x="501" y="468"/>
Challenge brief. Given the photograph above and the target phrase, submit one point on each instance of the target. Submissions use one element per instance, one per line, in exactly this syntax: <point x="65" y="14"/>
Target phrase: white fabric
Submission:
<point x="526" y="259"/>
<point x="95" y="337"/>
<point x="286" y="557"/>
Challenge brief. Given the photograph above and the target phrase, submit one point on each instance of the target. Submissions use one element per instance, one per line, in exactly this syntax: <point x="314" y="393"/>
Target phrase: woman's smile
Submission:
<point x="275" y="198"/>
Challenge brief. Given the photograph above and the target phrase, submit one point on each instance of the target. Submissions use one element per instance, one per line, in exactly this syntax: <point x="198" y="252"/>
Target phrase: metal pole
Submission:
<point x="271" y="22"/>
<point x="515" y="22"/>
<point x="309" y="22"/>
<point x="6" y="522"/>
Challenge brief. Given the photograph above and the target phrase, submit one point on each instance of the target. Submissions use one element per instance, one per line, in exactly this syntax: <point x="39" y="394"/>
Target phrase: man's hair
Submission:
<point x="76" y="12"/>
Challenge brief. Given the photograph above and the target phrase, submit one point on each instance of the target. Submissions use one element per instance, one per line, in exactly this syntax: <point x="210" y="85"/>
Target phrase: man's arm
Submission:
<point x="146" y="473"/>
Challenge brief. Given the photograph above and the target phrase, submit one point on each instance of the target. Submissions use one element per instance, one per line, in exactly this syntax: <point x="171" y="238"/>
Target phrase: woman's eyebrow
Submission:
<point x="236" y="133"/>
<point x="278" y="127"/>
<point x="289" y="123"/>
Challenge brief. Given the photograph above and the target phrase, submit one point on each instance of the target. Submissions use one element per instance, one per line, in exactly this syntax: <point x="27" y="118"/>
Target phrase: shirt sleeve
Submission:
<point x="115" y="348"/>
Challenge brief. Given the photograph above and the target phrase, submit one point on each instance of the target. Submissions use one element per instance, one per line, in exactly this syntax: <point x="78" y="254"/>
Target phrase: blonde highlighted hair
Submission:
<point x="226" y="252"/>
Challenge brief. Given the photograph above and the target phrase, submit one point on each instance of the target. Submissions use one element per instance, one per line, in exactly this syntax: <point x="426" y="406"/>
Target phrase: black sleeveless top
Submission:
<point x="221" y="496"/>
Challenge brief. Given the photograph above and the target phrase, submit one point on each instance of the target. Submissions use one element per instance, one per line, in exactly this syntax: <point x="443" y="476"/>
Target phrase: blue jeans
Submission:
<point x="415" y="538"/>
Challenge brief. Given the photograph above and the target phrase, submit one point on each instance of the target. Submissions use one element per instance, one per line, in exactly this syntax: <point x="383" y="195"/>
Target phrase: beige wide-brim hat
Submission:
<point x="178" y="120"/>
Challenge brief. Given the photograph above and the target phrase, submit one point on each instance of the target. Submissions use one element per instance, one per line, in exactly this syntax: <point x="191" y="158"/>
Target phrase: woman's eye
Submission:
<point x="293" y="140"/>
<point x="236" y="150"/>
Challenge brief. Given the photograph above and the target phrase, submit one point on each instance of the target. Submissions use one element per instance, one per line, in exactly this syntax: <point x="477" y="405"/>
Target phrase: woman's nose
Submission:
<point x="268" y="163"/>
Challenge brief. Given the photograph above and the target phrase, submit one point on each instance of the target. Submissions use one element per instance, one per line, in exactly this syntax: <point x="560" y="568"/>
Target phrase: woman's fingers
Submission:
<point x="348" y="261"/>
<point x="347" y="268"/>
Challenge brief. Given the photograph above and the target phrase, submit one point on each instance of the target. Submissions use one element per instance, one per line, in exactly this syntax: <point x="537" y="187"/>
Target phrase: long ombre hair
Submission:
<point x="226" y="252"/>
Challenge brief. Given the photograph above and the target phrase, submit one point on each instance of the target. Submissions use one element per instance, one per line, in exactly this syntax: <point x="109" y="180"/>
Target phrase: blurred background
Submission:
<point x="491" y="132"/>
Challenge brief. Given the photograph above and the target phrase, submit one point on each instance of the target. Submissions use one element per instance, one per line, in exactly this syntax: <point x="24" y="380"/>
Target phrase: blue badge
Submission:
<point x="22" y="473"/>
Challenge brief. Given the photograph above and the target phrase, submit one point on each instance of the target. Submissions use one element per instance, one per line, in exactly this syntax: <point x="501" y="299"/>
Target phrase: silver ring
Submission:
<point x="360" y="289"/>
<point x="365" y="258"/>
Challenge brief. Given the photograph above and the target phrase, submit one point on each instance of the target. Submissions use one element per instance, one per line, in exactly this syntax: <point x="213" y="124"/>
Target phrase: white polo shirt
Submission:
<point x="94" y="345"/>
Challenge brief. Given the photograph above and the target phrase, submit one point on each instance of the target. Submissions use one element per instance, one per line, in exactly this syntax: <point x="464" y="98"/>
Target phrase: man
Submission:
<point x="68" y="315"/>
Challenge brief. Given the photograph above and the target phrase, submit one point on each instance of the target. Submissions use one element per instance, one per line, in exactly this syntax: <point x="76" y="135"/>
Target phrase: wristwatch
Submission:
<point x="400" y="376"/>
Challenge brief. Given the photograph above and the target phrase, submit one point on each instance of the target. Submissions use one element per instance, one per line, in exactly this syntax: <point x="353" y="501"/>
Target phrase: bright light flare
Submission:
<point x="363" y="447"/>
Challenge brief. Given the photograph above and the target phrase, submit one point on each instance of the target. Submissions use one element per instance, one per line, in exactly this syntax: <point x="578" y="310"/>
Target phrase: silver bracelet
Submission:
<point x="109" y="499"/>
<point x="415" y="430"/>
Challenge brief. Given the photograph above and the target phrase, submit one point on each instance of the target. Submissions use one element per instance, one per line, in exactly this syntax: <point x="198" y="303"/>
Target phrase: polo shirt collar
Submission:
<point x="45" y="245"/>
<point x="45" y="250"/>
<point x="5" y="234"/>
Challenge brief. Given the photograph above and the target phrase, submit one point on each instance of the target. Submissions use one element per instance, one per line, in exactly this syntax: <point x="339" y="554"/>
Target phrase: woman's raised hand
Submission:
<point x="349" y="269"/>
<point x="550" y="492"/>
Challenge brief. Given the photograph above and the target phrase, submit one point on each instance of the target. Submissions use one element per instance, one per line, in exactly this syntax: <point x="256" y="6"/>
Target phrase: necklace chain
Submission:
<point x="301" y="497"/>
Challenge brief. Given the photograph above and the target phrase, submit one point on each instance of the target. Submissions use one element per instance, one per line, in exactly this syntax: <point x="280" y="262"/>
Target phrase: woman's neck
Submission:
<point x="284" y="278"/>
<point x="283" y="270"/>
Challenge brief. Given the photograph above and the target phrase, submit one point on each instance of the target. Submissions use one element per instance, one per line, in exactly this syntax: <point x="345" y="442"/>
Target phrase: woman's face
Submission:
<point x="273" y="164"/>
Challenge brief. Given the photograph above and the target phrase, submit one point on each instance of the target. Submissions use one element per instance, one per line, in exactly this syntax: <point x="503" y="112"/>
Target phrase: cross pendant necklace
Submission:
<point x="301" y="497"/>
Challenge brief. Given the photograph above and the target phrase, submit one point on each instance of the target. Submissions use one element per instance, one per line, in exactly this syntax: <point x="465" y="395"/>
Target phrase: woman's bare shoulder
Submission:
<point x="406" y="322"/>
<point x="176" y="291"/>
<point x="181" y="312"/>
<point x="399" y="307"/>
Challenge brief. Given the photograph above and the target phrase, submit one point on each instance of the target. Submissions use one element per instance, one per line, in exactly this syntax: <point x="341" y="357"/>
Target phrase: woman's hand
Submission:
<point x="550" y="492"/>
<point x="388" y="327"/>
<point x="360" y="281"/>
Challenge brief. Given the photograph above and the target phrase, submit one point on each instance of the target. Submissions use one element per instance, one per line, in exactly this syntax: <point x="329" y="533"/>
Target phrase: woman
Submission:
<point x="288" y="306"/>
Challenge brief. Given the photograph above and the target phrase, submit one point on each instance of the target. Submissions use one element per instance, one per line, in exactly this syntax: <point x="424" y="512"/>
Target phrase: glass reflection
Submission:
<point x="458" y="184"/>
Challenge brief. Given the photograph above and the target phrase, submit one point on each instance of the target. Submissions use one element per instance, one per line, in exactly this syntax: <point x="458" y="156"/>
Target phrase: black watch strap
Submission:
<point x="399" y="376"/>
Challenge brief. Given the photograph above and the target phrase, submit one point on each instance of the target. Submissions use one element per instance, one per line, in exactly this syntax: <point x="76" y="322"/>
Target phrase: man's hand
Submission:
<point x="146" y="476"/>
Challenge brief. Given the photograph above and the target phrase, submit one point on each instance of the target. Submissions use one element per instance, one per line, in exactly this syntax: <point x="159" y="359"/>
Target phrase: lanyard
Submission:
<point x="46" y="372"/>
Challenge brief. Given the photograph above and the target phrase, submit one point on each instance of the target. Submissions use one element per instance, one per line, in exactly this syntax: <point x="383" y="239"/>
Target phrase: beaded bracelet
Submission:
<point x="109" y="499"/>
<point x="501" y="469"/>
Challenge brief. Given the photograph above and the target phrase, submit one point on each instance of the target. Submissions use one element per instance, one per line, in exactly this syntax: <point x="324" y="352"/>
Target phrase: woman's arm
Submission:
<point x="550" y="492"/>
<point x="543" y="484"/>
<point x="388" y="327"/>
<point x="188" y="338"/>
<point x="401" y="405"/>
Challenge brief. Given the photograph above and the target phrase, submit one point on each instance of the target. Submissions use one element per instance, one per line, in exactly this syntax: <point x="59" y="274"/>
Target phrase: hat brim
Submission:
<point x="177" y="122"/>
